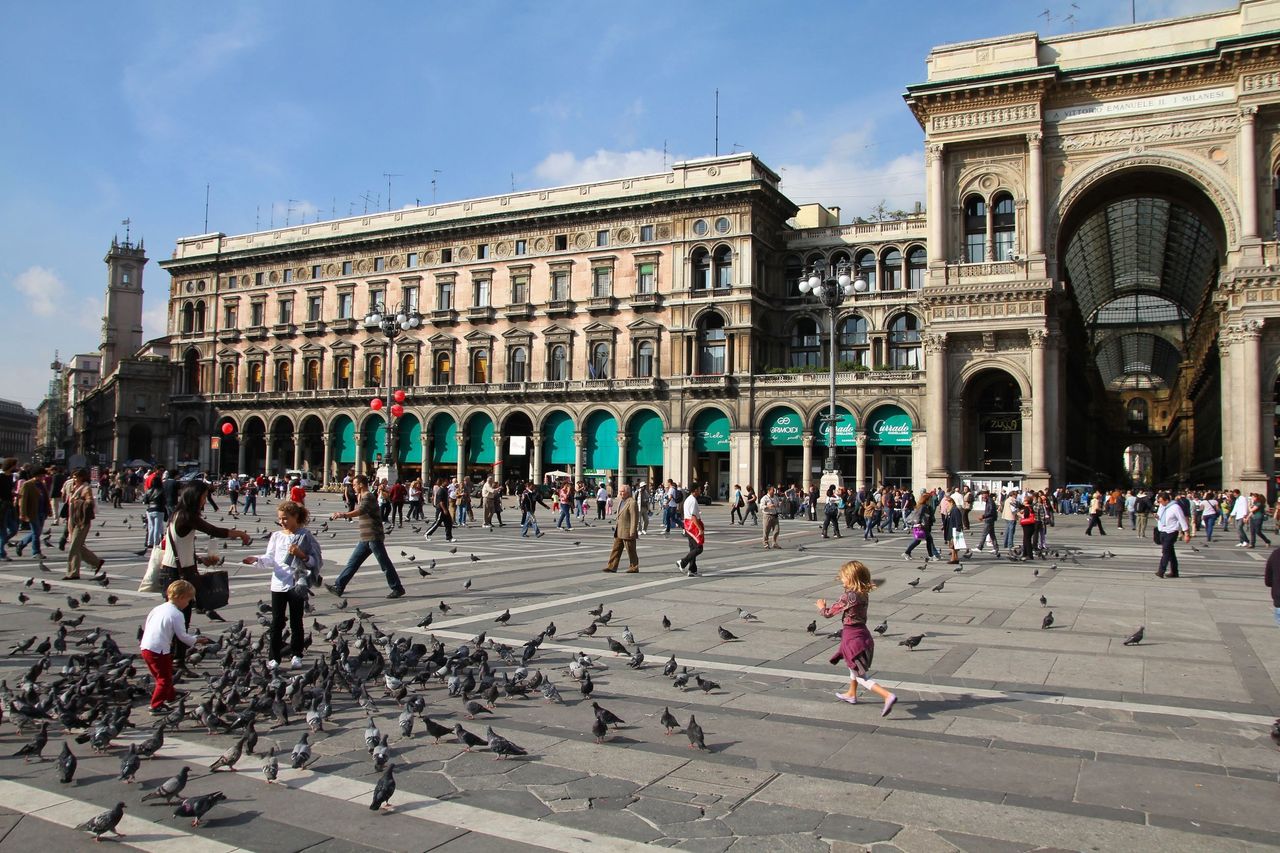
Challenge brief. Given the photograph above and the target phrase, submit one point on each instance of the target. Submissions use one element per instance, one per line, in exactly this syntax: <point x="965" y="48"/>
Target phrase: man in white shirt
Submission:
<point x="1170" y="521"/>
<point x="693" y="531"/>
<point x="1240" y="515"/>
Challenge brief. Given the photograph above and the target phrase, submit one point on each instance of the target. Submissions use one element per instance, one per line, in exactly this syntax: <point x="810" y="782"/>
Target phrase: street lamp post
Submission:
<point x="392" y="323"/>
<point x="831" y="288"/>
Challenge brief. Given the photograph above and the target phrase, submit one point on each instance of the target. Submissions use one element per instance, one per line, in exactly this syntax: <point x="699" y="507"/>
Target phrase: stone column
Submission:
<point x="806" y="475"/>
<point x="937" y="210"/>
<point x="460" y="466"/>
<point x="266" y="459"/>
<point x="935" y="348"/>
<point x="1248" y="396"/>
<point x="756" y="468"/>
<point x="359" y="463"/>
<point x="535" y="464"/>
<point x="1035" y="194"/>
<point x="497" y="457"/>
<point x="577" y="455"/>
<point x="240" y="456"/>
<point x="297" y="451"/>
<point x="425" y="438"/>
<point x="860" y="441"/>
<point x="1248" y="174"/>
<point x="328" y="460"/>
<point x="1039" y="411"/>
<point x="622" y="461"/>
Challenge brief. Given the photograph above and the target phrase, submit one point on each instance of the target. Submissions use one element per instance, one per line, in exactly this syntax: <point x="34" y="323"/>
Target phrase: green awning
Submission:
<point x="846" y="428"/>
<point x="480" y="447"/>
<point x="444" y="441"/>
<point x="374" y="435"/>
<point x="889" y="426"/>
<point x="711" y="432"/>
<point x="409" y="440"/>
<point x="557" y="440"/>
<point x="600" y="442"/>
<point x="644" y="439"/>
<point x="783" y="428"/>
<point x="343" y="440"/>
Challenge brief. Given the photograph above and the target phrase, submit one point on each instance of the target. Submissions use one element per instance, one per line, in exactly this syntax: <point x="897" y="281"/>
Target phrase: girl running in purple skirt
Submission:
<point x="856" y="646"/>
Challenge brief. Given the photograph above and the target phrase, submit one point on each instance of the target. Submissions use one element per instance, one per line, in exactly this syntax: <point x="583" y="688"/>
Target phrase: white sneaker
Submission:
<point x="296" y="663"/>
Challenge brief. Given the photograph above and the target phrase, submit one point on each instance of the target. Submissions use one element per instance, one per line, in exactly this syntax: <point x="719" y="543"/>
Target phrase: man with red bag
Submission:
<point x="693" y="531"/>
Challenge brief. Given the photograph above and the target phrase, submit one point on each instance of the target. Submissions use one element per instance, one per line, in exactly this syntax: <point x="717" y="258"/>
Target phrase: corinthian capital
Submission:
<point x="934" y="342"/>
<point x="1037" y="337"/>
<point x="933" y="152"/>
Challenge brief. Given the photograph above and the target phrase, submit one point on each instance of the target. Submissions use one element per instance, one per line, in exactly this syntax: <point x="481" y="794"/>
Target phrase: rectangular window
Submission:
<point x="256" y="311"/>
<point x="444" y="296"/>
<point x="411" y="298"/>
<point x="375" y="297"/>
<point x="646" y="278"/>
<point x="379" y="264"/>
<point x="346" y="305"/>
<point x="229" y="317"/>
<point x="286" y="311"/>
<point x="562" y="242"/>
<point x="559" y="285"/>
<point x="482" y="251"/>
<point x="411" y="260"/>
<point x="481" y="295"/>
<point x="602" y="282"/>
<point x="646" y="233"/>
<point x="346" y="267"/>
<point x="446" y="256"/>
<point x="975" y="247"/>
<point x="317" y="272"/>
<point x="314" y="308"/>
<point x="232" y="281"/>
<point x="522" y="246"/>
<point x="258" y="278"/>
<point x="1004" y="245"/>
<point x="602" y="238"/>
<point x="288" y="276"/>
<point x="519" y="289"/>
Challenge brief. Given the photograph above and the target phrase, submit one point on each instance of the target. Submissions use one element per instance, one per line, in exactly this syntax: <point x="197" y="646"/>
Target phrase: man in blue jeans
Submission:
<point x="371" y="542"/>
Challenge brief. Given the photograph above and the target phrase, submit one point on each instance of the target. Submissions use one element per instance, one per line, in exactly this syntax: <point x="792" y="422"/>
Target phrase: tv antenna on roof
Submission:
<point x="288" y="211"/>
<point x="434" y="173"/>
<point x="126" y="223"/>
<point x="389" y="176"/>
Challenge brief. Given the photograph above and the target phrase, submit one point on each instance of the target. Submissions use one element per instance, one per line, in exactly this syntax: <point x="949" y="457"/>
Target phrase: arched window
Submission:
<point x="598" y="366"/>
<point x="917" y="263"/>
<point x="700" y="267"/>
<point x="1136" y="414"/>
<point x="852" y="341"/>
<point x="866" y="269"/>
<point x="255" y="377"/>
<point x="724" y="267"/>
<point x="479" y="367"/>
<point x="806" y="343"/>
<point x="444" y="369"/>
<point x="557" y="364"/>
<point x="199" y="316"/>
<point x="711" y="344"/>
<point x="342" y="373"/>
<point x="518" y="365"/>
<point x="792" y="269"/>
<point x="1003" y="226"/>
<point x="892" y="264"/>
<point x="188" y="318"/>
<point x="311" y="375"/>
<point x="191" y="372"/>
<point x="373" y="372"/>
<point x="284" y="372"/>
<point x="904" y="342"/>
<point x="228" y="384"/>
<point x="408" y="370"/>
<point x="975" y="229"/>
<point x="644" y="359"/>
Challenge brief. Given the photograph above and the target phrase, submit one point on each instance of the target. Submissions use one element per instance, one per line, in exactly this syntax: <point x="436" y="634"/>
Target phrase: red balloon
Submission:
<point x="376" y="404"/>
<point x="227" y="429"/>
<point x="399" y="396"/>
<point x="397" y="410"/>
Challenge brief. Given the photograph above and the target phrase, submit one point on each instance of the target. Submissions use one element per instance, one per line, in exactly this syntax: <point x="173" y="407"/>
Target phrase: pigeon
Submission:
<point x="406" y="722"/>
<point x="940" y="585"/>
<point x="467" y="585"/>
<point x="812" y="627"/>
<point x="474" y="558"/>
<point x="444" y="608"/>
<point x="914" y="583"/>
<point x="599" y="729"/>
<point x="155" y="740"/>
<point x="670" y="668"/>
<point x="381" y="753"/>
<point x="372" y="737"/>
<point x="912" y="642"/>
<point x="466" y="738"/>
<point x="617" y="648"/>
<point x="434" y="729"/>
<point x="669" y="721"/>
<point x="587" y="686"/>
<point x="1044" y="602"/>
<point x="505" y="617"/>
<point x="104" y="823"/>
<point x="423" y="572"/>
<point x="681" y="681"/>
<point x="599" y="608"/>
<point x="610" y="718"/>
<point x="270" y="766"/>
<point x="35" y="746"/>
<point x="301" y="752"/>
<point x="706" y="684"/>
<point x="501" y="746"/>
<point x="426" y="620"/>
<point x="747" y="617"/>
<point x="129" y="764"/>
<point x="170" y="787"/>
<point x="384" y="789"/>
<point x="66" y="764"/>
<point x="1136" y="637"/>
<point x="229" y="758"/>
<point x="958" y="569"/>
<point x="1048" y="620"/>
<point x="198" y="807"/>
<point x="694" y="732"/>
<point x="1275" y="732"/>
<point x="475" y="708"/>
<point x="882" y="627"/>
<point x="666" y="623"/>
<point x="627" y="636"/>
<point x="588" y="631"/>
<point x="724" y="634"/>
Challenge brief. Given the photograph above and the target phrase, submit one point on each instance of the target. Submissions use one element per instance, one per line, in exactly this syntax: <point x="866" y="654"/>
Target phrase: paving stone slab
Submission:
<point x="780" y="844"/>
<point x="478" y="842"/>
<point x="982" y="844"/>
<point x="755" y="818"/>
<point x="519" y="803"/>
<point x="1237" y="802"/>
<point x="663" y="812"/>
<point x="704" y="845"/>
<point x="622" y="824"/>
<point x="856" y="829"/>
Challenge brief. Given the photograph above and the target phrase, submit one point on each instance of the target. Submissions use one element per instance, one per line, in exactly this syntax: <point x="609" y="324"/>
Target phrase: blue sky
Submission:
<point x="293" y="110"/>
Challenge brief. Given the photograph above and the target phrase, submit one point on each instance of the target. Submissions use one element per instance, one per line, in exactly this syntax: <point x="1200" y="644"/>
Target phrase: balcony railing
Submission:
<point x="518" y="309"/>
<point x="343" y="326"/>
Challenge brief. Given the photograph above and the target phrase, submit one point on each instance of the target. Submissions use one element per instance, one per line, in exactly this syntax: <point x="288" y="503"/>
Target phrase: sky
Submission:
<point x="289" y="112"/>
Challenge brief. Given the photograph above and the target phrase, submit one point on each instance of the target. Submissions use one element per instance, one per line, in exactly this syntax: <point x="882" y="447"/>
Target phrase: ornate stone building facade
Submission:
<point x="1093" y="276"/>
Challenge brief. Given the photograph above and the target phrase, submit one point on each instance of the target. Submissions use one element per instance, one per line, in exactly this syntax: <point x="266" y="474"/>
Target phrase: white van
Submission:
<point x="303" y="478"/>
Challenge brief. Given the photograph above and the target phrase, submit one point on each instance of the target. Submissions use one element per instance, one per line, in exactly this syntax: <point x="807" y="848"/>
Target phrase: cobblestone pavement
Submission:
<point x="1007" y="736"/>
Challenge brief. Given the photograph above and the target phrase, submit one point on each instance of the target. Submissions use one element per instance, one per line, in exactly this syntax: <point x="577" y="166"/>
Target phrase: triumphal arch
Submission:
<point x="1102" y="281"/>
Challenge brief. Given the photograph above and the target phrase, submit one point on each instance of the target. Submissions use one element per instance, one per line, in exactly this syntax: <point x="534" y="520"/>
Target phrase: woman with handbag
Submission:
<point x="1028" y="520"/>
<point x="80" y="514"/>
<point x="293" y="555"/>
<point x="179" y="562"/>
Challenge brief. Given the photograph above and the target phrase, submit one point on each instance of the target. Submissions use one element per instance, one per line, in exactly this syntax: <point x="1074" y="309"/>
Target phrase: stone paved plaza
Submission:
<point x="1006" y="737"/>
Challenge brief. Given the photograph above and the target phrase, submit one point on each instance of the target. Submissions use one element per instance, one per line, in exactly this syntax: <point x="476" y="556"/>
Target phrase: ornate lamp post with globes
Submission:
<point x="831" y="288"/>
<point x="403" y="318"/>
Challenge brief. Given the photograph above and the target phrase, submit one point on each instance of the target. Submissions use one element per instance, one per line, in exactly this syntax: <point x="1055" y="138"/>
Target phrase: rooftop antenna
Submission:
<point x="366" y="202"/>
<point x="288" y="211"/>
<point x="664" y="155"/>
<point x="206" y="207"/>
<point x="434" y="184"/>
<point x="736" y="146"/>
<point x="126" y="223"/>
<point x="389" y="176"/>
<point x="1133" y="10"/>
<point x="717" y="122"/>
<point x="333" y="207"/>
<point x="257" y="217"/>
<point x="513" y="181"/>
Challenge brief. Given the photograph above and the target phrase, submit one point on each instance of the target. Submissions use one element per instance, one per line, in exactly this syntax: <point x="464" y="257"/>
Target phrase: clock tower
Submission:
<point x="122" y="324"/>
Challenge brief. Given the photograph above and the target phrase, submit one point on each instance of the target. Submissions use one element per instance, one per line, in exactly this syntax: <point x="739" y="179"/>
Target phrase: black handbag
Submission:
<point x="213" y="591"/>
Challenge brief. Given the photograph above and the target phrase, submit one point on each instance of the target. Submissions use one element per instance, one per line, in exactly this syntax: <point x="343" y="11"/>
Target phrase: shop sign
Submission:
<point x="1000" y="423"/>
<point x="785" y="430"/>
<point x="846" y="430"/>
<point x="891" y="429"/>
<point x="713" y="437"/>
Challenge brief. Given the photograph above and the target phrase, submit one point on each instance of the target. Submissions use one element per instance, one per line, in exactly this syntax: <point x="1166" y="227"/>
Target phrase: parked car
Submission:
<point x="304" y="479"/>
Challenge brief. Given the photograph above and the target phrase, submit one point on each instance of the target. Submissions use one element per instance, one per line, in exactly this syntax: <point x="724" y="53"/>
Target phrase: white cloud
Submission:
<point x="42" y="289"/>
<point x="849" y="176"/>
<point x="564" y="167"/>
<point x="155" y="320"/>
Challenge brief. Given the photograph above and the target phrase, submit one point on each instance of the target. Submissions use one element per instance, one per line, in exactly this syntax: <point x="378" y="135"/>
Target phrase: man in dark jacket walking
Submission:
<point x="1273" y="581"/>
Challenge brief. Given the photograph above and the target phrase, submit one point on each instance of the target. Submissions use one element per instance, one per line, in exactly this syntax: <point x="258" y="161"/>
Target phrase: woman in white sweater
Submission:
<point x="293" y="555"/>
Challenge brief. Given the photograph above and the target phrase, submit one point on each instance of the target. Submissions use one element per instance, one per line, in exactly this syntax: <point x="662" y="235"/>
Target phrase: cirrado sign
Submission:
<point x="891" y="430"/>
